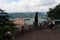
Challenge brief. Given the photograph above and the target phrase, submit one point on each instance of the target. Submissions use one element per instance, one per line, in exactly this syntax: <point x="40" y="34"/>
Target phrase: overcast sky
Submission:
<point x="28" y="5"/>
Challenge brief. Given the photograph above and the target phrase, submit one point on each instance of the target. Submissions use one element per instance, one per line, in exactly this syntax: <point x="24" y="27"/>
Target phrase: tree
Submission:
<point x="6" y="24"/>
<point x="3" y="18"/>
<point x="36" y="20"/>
<point x="54" y="13"/>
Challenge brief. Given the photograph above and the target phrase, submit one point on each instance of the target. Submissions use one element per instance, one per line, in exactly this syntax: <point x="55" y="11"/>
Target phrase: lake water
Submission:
<point x="30" y="22"/>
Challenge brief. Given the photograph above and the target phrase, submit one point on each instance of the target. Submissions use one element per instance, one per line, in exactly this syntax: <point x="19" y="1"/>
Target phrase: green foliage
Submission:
<point x="54" y="13"/>
<point x="6" y="24"/>
<point x="6" y="28"/>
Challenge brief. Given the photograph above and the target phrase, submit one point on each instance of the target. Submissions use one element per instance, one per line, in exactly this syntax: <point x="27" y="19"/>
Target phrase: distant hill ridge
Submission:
<point x="26" y="14"/>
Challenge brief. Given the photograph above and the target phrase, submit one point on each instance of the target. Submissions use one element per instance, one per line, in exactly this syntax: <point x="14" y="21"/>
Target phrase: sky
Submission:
<point x="28" y="5"/>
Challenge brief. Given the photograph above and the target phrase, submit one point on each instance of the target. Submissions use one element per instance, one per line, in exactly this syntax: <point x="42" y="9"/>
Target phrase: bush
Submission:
<point x="7" y="28"/>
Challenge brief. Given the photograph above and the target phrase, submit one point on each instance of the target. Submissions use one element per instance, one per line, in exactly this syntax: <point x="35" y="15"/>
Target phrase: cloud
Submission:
<point x="58" y="1"/>
<point x="27" y="5"/>
<point x="48" y="2"/>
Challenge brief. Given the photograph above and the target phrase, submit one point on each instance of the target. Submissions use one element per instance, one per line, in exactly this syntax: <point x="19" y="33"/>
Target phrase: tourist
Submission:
<point x="30" y="27"/>
<point x="8" y="35"/>
<point x="44" y="24"/>
<point x="52" y="24"/>
<point x="48" y="22"/>
<point x="22" y="29"/>
<point x="49" y="25"/>
<point x="40" y="25"/>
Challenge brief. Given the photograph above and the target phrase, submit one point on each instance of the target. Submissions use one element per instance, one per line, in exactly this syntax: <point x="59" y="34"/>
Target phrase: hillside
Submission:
<point x="26" y="14"/>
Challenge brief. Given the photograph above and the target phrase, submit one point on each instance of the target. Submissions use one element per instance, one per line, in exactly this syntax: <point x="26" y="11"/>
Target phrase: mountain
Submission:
<point x="26" y="14"/>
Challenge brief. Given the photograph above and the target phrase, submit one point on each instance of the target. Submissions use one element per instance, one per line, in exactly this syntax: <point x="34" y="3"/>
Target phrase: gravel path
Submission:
<point x="44" y="34"/>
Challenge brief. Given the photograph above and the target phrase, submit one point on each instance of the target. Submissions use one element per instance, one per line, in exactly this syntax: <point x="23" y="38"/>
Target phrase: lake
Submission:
<point x="30" y="22"/>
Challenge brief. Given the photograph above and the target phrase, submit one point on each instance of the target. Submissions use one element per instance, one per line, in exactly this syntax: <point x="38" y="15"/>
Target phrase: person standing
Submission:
<point x="53" y="24"/>
<point x="22" y="30"/>
<point x="8" y="35"/>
